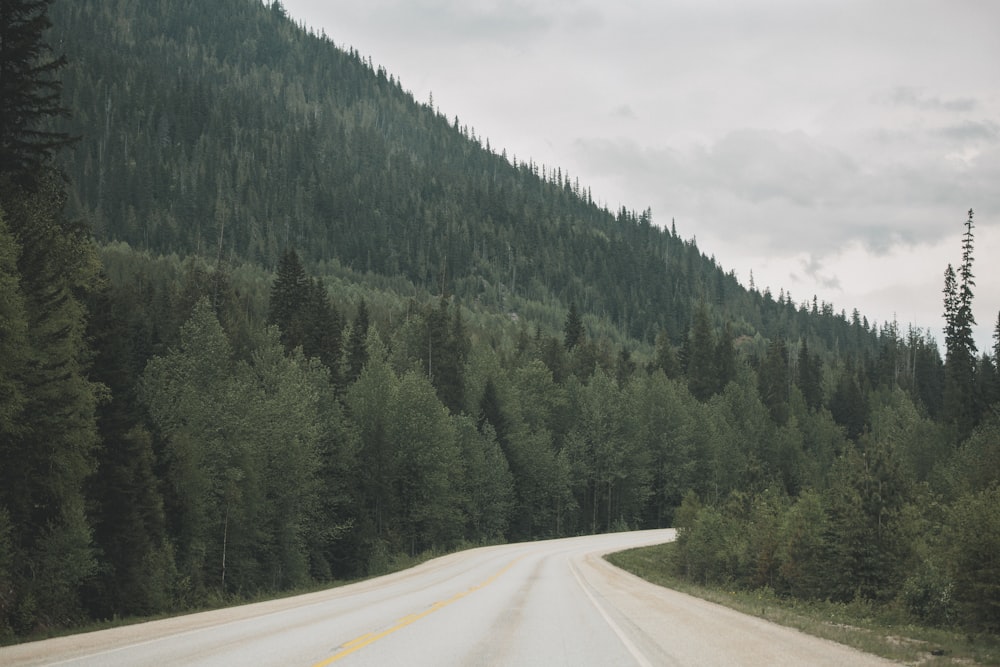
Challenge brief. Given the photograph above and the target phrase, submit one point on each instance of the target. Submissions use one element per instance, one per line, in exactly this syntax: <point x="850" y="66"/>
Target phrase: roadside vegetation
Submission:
<point x="891" y="632"/>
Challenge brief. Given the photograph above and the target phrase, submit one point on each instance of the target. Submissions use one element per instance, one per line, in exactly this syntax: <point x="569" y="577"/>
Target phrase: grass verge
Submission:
<point x="882" y="632"/>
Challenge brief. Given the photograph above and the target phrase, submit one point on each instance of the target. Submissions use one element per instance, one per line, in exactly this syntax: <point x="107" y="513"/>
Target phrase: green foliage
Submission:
<point x="573" y="331"/>
<point x="975" y="557"/>
<point x="49" y="430"/>
<point x="29" y="90"/>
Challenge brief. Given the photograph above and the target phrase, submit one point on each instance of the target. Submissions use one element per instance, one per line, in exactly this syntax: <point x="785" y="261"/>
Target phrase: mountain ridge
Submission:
<point x="228" y="130"/>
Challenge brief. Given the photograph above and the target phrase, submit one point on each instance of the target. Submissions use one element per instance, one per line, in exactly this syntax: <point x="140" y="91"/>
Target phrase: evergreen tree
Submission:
<point x="290" y="295"/>
<point x="810" y="376"/>
<point x="491" y="413"/>
<point x="357" y="350"/>
<point x="772" y="381"/>
<point x="53" y="402"/>
<point x="666" y="357"/>
<point x="847" y="405"/>
<point x="725" y="358"/>
<point x="29" y="91"/>
<point x="573" y="332"/>
<point x="959" y="403"/>
<point x="323" y="328"/>
<point x="701" y="370"/>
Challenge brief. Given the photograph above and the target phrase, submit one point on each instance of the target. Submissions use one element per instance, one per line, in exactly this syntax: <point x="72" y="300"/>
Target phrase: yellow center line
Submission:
<point x="370" y="638"/>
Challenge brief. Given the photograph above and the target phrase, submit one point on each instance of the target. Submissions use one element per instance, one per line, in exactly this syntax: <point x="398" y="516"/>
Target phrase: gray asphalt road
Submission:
<point x="542" y="603"/>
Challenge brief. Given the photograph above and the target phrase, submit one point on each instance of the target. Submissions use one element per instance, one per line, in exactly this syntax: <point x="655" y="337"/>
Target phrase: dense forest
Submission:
<point x="269" y="322"/>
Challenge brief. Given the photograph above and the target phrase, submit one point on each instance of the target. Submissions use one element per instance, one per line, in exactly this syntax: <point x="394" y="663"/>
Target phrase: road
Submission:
<point x="541" y="603"/>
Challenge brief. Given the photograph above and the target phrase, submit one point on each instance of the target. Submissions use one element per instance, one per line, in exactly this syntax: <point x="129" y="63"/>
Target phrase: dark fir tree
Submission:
<point x="666" y="357"/>
<point x="322" y="329"/>
<point x="959" y="404"/>
<point x="29" y="89"/>
<point x="847" y="405"/>
<point x="701" y="369"/>
<point x="772" y="381"/>
<point x="573" y="333"/>
<point x="54" y="433"/>
<point x="289" y="297"/>
<point x="810" y="376"/>
<point x="357" y="352"/>
<point x="725" y="358"/>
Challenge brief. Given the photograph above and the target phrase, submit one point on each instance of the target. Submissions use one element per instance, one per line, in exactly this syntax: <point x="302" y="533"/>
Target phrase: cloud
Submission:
<point x="907" y="96"/>
<point x="624" y="112"/>
<point x="767" y="164"/>
<point x="971" y="131"/>
<point x="814" y="268"/>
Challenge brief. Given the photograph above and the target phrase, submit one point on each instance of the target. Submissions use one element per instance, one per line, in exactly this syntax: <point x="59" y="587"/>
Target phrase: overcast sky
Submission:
<point x="830" y="147"/>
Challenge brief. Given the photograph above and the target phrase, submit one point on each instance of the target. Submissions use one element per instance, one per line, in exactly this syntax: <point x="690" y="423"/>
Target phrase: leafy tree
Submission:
<point x="425" y="447"/>
<point x="487" y="484"/>
<point x="192" y="400"/>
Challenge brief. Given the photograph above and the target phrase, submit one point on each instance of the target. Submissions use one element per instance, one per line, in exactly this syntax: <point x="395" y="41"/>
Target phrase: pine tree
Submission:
<point x="701" y="358"/>
<point x="54" y="401"/>
<point x="29" y="93"/>
<point x="809" y="377"/>
<point x="772" y="381"/>
<point x="289" y="297"/>
<point x="357" y="352"/>
<point x="573" y="333"/>
<point x="959" y="406"/>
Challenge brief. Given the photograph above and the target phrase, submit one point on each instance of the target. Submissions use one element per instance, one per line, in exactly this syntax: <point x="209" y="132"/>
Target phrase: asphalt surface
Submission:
<point x="541" y="603"/>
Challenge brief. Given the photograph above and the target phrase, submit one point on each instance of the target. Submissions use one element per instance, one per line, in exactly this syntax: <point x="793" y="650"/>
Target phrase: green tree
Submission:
<point x="425" y="447"/>
<point x="195" y="406"/>
<point x="357" y="351"/>
<point x="975" y="558"/>
<point x="487" y="484"/>
<point x="959" y="402"/>
<point x="810" y="377"/>
<point x="701" y="358"/>
<point x="803" y="548"/>
<point x="289" y="298"/>
<point x="29" y="90"/>
<point x="573" y="331"/>
<point x="772" y="381"/>
<point x="870" y="531"/>
<point x="369" y="403"/>
<point x="48" y="448"/>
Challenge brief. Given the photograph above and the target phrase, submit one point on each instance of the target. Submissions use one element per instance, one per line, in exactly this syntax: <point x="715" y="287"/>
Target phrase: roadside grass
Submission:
<point x="883" y="632"/>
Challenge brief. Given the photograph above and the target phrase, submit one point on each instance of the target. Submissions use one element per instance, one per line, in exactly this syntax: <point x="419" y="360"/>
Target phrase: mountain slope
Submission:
<point x="224" y="129"/>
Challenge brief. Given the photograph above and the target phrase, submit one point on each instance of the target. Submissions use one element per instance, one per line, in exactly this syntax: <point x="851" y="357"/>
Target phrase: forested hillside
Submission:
<point x="281" y="324"/>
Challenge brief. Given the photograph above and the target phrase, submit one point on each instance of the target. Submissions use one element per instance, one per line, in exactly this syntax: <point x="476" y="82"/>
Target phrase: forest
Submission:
<point x="270" y="323"/>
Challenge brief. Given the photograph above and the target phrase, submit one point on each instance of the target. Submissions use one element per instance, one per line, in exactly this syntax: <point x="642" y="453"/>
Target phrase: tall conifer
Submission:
<point x="29" y="91"/>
